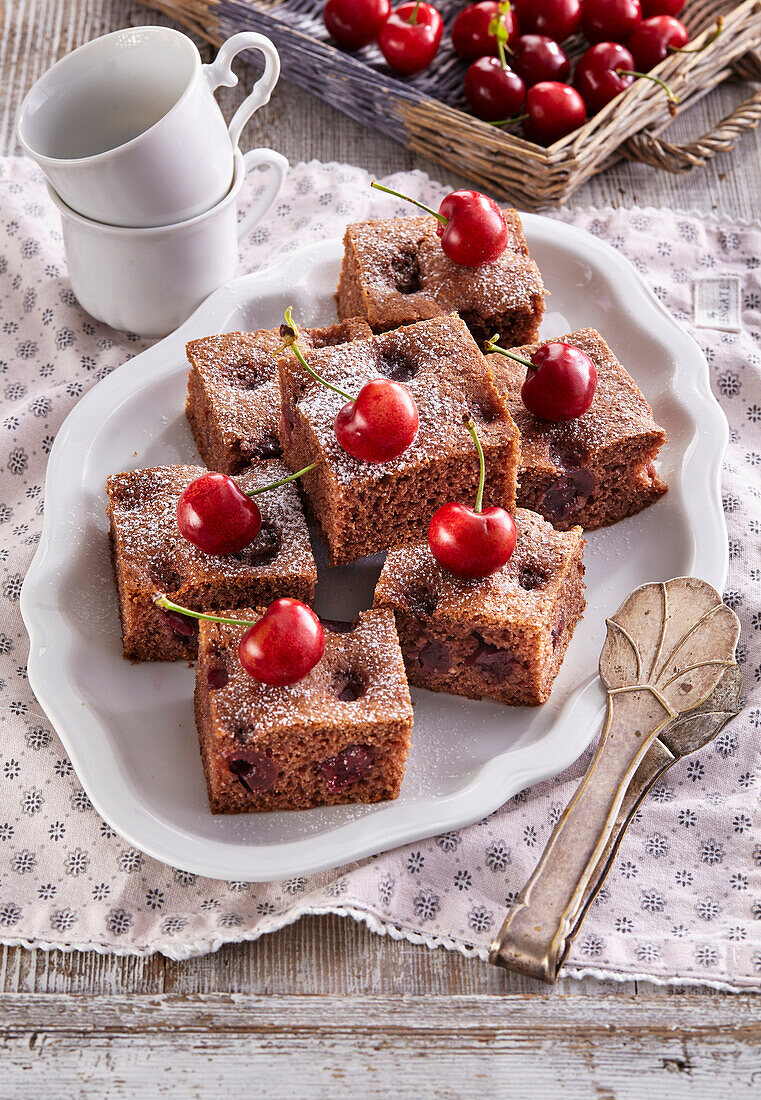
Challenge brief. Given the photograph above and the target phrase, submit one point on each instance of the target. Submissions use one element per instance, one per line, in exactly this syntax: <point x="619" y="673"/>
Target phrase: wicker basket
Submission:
<point x="427" y="112"/>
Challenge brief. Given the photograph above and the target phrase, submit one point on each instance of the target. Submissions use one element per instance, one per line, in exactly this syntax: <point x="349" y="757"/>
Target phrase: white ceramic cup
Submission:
<point x="128" y="132"/>
<point x="149" y="281"/>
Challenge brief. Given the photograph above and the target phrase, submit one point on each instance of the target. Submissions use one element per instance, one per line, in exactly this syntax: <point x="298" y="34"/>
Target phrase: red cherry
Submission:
<point x="355" y="23"/>
<point x="472" y="227"/>
<point x="561" y="379"/>
<point x="661" y="7"/>
<point x="380" y="424"/>
<point x="284" y="645"/>
<point x="216" y="516"/>
<point x="562" y="384"/>
<point x="410" y="37"/>
<point x="475" y="232"/>
<point x="493" y="90"/>
<point x="535" y="58"/>
<point x="596" y="77"/>
<point x="554" y="110"/>
<point x="653" y="40"/>
<point x="471" y="34"/>
<point x="469" y="543"/>
<point x="610" y="20"/>
<point x="558" y="19"/>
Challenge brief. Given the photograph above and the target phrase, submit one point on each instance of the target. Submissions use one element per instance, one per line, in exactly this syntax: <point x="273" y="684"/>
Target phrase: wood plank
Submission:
<point x="327" y="1047"/>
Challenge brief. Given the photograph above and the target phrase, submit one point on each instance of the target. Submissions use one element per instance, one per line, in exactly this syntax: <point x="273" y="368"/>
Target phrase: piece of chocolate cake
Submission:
<point x="341" y="734"/>
<point x="362" y="507"/>
<point x="394" y="273"/>
<point x="503" y="637"/>
<point x="597" y="469"/>
<point x="151" y="557"/>
<point x="233" y="402"/>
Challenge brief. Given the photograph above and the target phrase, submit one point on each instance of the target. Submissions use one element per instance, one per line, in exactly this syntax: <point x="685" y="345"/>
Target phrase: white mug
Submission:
<point x="128" y="132"/>
<point x="149" y="281"/>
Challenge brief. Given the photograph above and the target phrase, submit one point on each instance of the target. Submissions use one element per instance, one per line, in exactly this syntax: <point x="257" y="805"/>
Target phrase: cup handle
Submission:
<point x="220" y="74"/>
<point x="278" y="168"/>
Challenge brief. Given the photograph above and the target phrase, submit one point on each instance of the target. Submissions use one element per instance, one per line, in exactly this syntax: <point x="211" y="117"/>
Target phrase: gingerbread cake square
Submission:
<point x="151" y="557"/>
<point x="360" y="507"/>
<point x="597" y="469"/>
<point x="503" y="637"/>
<point x="233" y="402"/>
<point x="342" y="734"/>
<point x="394" y="273"/>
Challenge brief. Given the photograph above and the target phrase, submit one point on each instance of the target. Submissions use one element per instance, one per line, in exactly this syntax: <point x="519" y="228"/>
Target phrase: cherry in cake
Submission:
<point x="363" y="507"/>
<point x="151" y="556"/>
<point x="502" y="637"/>
<point x="233" y="403"/>
<point x="340" y="734"/>
<point x="394" y="273"/>
<point x="593" y="470"/>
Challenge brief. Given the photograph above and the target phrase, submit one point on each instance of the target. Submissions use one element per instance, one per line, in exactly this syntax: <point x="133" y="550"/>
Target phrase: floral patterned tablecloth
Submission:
<point x="683" y="902"/>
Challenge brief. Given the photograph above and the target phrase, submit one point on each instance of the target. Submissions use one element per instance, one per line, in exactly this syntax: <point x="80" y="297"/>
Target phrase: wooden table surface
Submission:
<point x="325" y="1008"/>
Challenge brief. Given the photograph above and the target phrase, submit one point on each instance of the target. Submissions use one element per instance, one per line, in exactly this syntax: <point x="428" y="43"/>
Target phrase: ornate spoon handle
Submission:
<point x="535" y="937"/>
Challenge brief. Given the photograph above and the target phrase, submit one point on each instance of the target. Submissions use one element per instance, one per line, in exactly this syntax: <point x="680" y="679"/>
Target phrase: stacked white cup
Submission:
<point x="146" y="172"/>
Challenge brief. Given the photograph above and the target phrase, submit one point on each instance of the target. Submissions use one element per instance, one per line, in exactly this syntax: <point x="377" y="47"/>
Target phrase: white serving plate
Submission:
<point x="129" y="729"/>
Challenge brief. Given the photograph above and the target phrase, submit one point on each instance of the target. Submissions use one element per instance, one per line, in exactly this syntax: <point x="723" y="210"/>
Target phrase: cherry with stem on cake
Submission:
<point x="355" y="23"/>
<point x="471" y="226"/>
<point x="610" y="20"/>
<point x="471" y="542"/>
<point x="605" y="71"/>
<point x="410" y="37"/>
<point x="377" y="425"/>
<point x="280" y="648"/>
<point x="219" y="517"/>
<point x="536" y="57"/>
<point x="558" y="19"/>
<point x="561" y="379"/>
<point x="492" y="88"/>
<point x="656" y="39"/>
<point x="473" y="33"/>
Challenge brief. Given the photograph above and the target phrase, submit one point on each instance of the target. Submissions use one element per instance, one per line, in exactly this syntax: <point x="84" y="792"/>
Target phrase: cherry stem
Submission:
<point x="399" y="195"/>
<point x="499" y="30"/>
<point x="277" y="484"/>
<point x="167" y="605"/>
<point x="649" y="76"/>
<point x="492" y="346"/>
<point x="413" y="17"/>
<point x="509" y="121"/>
<point x="699" y="49"/>
<point x="292" y="344"/>
<point x="481" y="463"/>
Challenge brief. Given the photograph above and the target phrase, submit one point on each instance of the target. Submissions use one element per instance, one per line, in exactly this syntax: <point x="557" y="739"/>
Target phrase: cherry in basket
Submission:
<point x="492" y="88"/>
<point x="605" y="71"/>
<point x="536" y="58"/>
<point x="557" y="19"/>
<point x="355" y="23"/>
<point x="473" y="31"/>
<point x="610" y="20"/>
<point x="553" y="110"/>
<point x="410" y="37"/>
